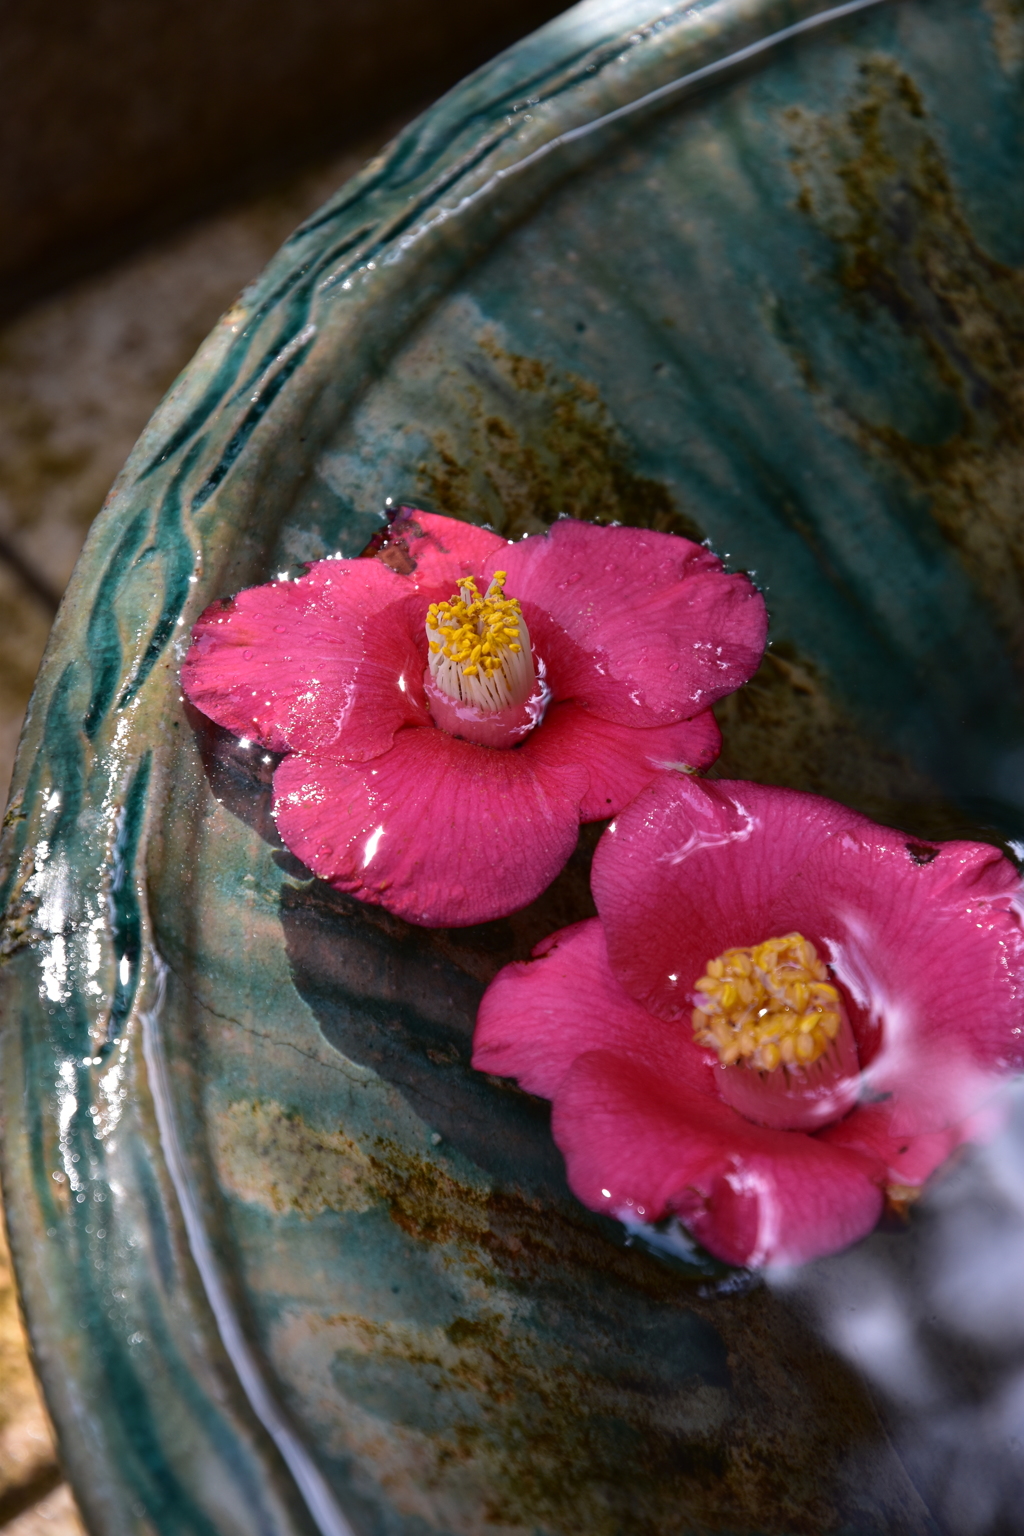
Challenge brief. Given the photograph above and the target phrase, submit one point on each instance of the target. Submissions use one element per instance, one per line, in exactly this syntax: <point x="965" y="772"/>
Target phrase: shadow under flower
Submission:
<point x="401" y="999"/>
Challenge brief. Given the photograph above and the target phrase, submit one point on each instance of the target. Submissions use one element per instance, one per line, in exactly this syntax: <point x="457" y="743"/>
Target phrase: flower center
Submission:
<point x="771" y="1005"/>
<point x="482" y="684"/>
<point x="480" y="647"/>
<point x="780" y="1028"/>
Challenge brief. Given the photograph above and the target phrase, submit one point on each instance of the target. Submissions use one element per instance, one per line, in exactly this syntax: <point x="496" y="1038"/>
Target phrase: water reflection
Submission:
<point x="934" y="1319"/>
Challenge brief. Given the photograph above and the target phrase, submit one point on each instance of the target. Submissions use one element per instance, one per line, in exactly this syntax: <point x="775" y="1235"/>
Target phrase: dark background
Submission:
<point x="121" y="118"/>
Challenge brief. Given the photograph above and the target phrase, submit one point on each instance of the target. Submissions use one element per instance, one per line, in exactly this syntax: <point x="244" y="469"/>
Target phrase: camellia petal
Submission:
<point x="907" y="1160"/>
<point x="537" y="1017"/>
<point x="928" y="945"/>
<point x="331" y="669"/>
<point x="777" y="910"/>
<point x="692" y="868"/>
<point x="643" y="1144"/>
<point x="301" y="665"/>
<point x="658" y="630"/>
<point x="442" y="549"/>
<point x="621" y="760"/>
<point x="440" y="831"/>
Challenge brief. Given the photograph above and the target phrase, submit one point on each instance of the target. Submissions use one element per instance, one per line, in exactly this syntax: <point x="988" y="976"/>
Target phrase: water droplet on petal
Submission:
<point x="247" y="654"/>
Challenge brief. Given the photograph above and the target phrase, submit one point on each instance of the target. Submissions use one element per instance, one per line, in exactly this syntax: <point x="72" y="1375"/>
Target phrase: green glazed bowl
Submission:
<point x="750" y="268"/>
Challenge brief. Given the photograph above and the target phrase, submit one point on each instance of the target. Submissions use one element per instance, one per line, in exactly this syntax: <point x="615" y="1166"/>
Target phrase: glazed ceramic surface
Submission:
<point x="748" y="268"/>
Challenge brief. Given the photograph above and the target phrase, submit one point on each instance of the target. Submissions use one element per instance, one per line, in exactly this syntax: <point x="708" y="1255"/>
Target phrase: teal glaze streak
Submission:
<point x="104" y="639"/>
<point x="301" y="282"/>
<point x="484" y="101"/>
<point x="248" y="424"/>
<point x="125" y="916"/>
<point x="64" y="757"/>
<point x="126" y="1376"/>
<point x="178" y="561"/>
<point x="225" y="379"/>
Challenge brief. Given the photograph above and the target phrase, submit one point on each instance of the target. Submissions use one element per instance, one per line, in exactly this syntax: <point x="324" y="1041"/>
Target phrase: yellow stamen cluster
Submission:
<point x="480" y="647"/>
<point x="475" y="631"/>
<point x="768" y="1006"/>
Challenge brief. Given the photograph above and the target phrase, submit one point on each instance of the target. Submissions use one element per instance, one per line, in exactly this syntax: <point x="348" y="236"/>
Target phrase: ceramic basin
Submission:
<point x="750" y="269"/>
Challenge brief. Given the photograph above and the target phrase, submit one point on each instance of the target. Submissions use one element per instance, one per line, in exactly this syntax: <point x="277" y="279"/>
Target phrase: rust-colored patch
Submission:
<point x="269" y="1156"/>
<point x="545" y="1419"/>
<point x="425" y="1200"/>
<point x="1007" y="18"/>
<point x="505" y="1232"/>
<point x="17" y="922"/>
<point x="556" y="450"/>
<point x="764" y="1465"/>
<point x="775" y="1464"/>
<point x="874" y="179"/>
<point x="547" y="1394"/>
<point x="565" y="1428"/>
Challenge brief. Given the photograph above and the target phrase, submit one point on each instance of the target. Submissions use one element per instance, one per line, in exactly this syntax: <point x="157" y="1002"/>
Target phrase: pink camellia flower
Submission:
<point x="782" y="1013"/>
<point x="450" y="712"/>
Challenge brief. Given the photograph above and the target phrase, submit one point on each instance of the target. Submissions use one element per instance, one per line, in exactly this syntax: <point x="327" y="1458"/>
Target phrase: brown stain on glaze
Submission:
<point x="17" y="921"/>
<point x="874" y="179"/>
<point x="270" y="1155"/>
<point x="551" y="1449"/>
<point x="795" y="1412"/>
<point x="558" y="452"/>
<point x="1007" y="19"/>
<point x="590" y="1435"/>
<point x="425" y="1199"/>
